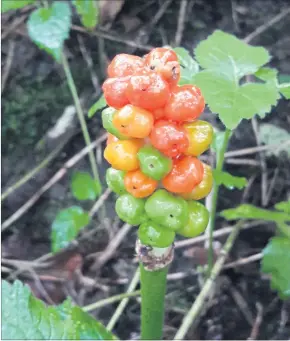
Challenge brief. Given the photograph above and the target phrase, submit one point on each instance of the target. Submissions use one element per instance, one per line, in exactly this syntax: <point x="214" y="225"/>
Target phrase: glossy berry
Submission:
<point x="203" y="188"/>
<point x="198" y="220"/>
<point x="115" y="180"/>
<point x="131" y="209"/>
<point x="124" y="65"/>
<point x="186" y="103"/>
<point x="153" y="163"/>
<point x="133" y="121"/>
<point x="186" y="173"/>
<point x="167" y="210"/>
<point x="139" y="185"/>
<point x="200" y="135"/>
<point x="165" y="62"/>
<point x="122" y="155"/>
<point x="107" y="120"/>
<point x="169" y="138"/>
<point x="153" y="234"/>
<point x="148" y="91"/>
<point x="111" y="138"/>
<point x="115" y="91"/>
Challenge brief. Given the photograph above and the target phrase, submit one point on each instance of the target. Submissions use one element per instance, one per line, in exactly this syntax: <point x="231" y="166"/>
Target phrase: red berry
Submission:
<point x="185" y="104"/>
<point x="148" y="91"/>
<point x="115" y="91"/>
<point x="125" y="65"/>
<point x="169" y="138"/>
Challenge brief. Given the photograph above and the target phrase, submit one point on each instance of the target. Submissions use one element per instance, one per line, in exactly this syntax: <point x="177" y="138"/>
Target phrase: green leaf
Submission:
<point x="84" y="187"/>
<point x="276" y="262"/>
<point x="230" y="57"/>
<point x="247" y="211"/>
<point x="189" y="67"/>
<point x="225" y="60"/>
<point x="228" y="180"/>
<point x="27" y="318"/>
<point x="66" y="226"/>
<point x="100" y="104"/>
<point x="267" y="74"/>
<point x="217" y="141"/>
<point x="49" y="27"/>
<point x="284" y="88"/>
<point x="7" y="5"/>
<point x="283" y="206"/>
<point x="272" y="135"/>
<point x="88" y="11"/>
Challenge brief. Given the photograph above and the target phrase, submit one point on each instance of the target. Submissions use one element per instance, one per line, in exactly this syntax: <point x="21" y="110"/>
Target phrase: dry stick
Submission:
<point x="267" y="25"/>
<point x="243" y="261"/>
<point x="18" y="21"/>
<point x="8" y="64"/>
<point x="57" y="176"/>
<point x="33" y="172"/>
<point x="257" y="323"/>
<point x="181" y="22"/>
<point x="100" y="202"/>
<point x="132" y="286"/>
<point x="111" y="300"/>
<point x="206" y="289"/>
<point x="244" y="162"/>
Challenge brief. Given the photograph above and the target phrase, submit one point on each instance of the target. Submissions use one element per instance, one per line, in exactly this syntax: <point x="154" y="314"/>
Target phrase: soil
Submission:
<point x="36" y="95"/>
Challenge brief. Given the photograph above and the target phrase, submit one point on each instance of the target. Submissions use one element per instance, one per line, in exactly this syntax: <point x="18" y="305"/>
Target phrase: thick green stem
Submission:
<point x="219" y="166"/>
<point x="81" y="115"/>
<point x="153" y="288"/>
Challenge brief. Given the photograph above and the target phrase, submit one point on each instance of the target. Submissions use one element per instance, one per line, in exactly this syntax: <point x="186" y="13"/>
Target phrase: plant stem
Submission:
<point x="123" y="303"/>
<point x="219" y="166"/>
<point x="206" y="289"/>
<point x="81" y="116"/>
<point x="153" y="288"/>
<point x="110" y="300"/>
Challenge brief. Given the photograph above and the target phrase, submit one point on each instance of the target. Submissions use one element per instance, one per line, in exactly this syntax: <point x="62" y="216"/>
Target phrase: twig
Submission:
<point x="257" y="323"/>
<point x="206" y="289"/>
<point x="57" y="176"/>
<point x="267" y="25"/>
<point x="13" y="26"/>
<point x="244" y="162"/>
<point x="89" y="62"/>
<point x="181" y="22"/>
<point x="111" y="300"/>
<point x="8" y="64"/>
<point x="110" y="249"/>
<point x="272" y="185"/>
<point x="243" y="261"/>
<point x="216" y="234"/>
<point x="33" y="172"/>
<point x="100" y="202"/>
<point x="81" y="115"/>
<point x="108" y="36"/>
<point x="132" y="286"/>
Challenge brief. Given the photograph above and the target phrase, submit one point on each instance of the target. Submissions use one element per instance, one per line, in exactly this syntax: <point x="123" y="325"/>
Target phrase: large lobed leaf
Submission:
<point x="67" y="225"/>
<point x="188" y="66"/>
<point x="49" y="27"/>
<point x="26" y="318"/>
<point x="225" y="60"/>
<point x="276" y="262"/>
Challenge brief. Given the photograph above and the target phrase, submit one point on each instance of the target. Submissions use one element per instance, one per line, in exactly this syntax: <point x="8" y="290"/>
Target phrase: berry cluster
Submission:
<point x="153" y="143"/>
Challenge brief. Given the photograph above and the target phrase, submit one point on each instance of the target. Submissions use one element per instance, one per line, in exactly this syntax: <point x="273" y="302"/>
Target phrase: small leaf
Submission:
<point x="283" y="206"/>
<point x="66" y="226"/>
<point x="84" y="187"/>
<point x="267" y="74"/>
<point x="100" y="104"/>
<point x="272" y="135"/>
<point x="88" y="11"/>
<point x="49" y="27"/>
<point x="228" y="180"/>
<point x="276" y="262"/>
<point x="27" y="318"/>
<point x="189" y="67"/>
<point x="226" y="59"/>
<point x="7" y="5"/>
<point x="247" y="211"/>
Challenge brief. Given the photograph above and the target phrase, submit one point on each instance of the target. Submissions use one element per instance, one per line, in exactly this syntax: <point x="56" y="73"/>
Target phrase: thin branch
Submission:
<point x="181" y="22"/>
<point x="8" y="64"/>
<point x="208" y="285"/>
<point x="57" y="176"/>
<point x="100" y="202"/>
